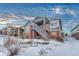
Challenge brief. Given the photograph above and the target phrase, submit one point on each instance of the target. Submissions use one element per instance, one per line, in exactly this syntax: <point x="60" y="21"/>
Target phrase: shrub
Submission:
<point x="43" y="52"/>
<point x="11" y="44"/>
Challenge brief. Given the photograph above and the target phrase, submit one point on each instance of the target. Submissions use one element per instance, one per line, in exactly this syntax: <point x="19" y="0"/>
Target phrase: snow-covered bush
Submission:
<point x="9" y="41"/>
<point x="13" y="49"/>
<point x="12" y="45"/>
<point x="60" y="39"/>
<point x="42" y="52"/>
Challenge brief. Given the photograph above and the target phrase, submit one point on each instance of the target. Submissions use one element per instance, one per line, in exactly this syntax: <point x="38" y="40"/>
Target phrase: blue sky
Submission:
<point x="67" y="12"/>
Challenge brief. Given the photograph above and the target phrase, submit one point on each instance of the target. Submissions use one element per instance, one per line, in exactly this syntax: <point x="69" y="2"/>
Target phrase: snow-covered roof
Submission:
<point x="4" y="21"/>
<point x="19" y="23"/>
<point x="37" y="19"/>
<point x="2" y="26"/>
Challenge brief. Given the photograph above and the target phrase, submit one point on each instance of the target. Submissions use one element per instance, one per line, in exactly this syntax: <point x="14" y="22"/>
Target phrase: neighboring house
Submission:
<point x="75" y="32"/>
<point x="3" y="25"/>
<point x="3" y="28"/>
<point x="17" y="28"/>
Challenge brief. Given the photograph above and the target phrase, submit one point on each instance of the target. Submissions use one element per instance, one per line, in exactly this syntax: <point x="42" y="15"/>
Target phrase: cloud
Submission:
<point x="58" y="10"/>
<point x="71" y="12"/>
<point x="62" y="11"/>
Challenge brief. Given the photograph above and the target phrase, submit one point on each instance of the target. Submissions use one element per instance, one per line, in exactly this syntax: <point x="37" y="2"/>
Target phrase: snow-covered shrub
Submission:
<point x="9" y="41"/>
<point x="11" y="44"/>
<point x="42" y="52"/>
<point x="60" y="39"/>
<point x="13" y="49"/>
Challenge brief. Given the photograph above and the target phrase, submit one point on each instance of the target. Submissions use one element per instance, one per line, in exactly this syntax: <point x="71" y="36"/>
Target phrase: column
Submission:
<point x="18" y="32"/>
<point x="30" y="32"/>
<point x="44" y="25"/>
<point x="33" y="34"/>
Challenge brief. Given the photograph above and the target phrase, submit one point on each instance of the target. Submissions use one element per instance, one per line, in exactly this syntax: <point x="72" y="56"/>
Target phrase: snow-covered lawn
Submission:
<point x="35" y="47"/>
<point x="68" y="48"/>
<point x="4" y="51"/>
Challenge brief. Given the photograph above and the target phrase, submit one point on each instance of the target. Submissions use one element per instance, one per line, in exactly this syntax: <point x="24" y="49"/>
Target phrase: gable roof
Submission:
<point x="2" y="26"/>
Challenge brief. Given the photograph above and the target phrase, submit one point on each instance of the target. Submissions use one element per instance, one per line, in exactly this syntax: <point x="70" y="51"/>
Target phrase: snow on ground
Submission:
<point x="37" y="47"/>
<point x="2" y="38"/>
<point x="69" y="48"/>
<point x="4" y="51"/>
